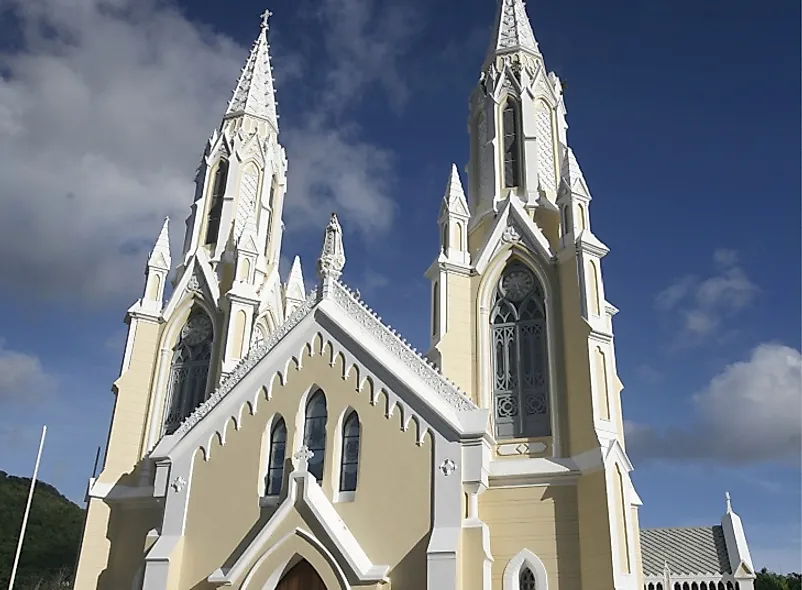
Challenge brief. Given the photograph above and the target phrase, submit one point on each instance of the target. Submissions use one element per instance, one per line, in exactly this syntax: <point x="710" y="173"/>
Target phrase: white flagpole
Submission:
<point x="27" y="510"/>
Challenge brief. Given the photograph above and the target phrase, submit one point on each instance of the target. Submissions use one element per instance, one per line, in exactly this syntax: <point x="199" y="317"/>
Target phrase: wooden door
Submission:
<point x="301" y="577"/>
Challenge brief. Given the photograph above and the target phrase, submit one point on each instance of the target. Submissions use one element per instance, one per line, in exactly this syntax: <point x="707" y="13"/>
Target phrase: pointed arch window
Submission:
<point x="315" y="432"/>
<point x="349" y="461"/>
<point x="510" y="123"/>
<point x="216" y="206"/>
<point x="526" y="579"/>
<point x="520" y="355"/>
<point x="275" y="462"/>
<point x="190" y="369"/>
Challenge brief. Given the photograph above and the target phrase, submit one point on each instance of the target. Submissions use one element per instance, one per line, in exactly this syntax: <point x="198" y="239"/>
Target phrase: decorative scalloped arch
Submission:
<point x="367" y="383"/>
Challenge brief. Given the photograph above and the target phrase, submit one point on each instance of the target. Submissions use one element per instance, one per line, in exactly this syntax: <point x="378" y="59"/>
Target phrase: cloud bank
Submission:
<point x="749" y="413"/>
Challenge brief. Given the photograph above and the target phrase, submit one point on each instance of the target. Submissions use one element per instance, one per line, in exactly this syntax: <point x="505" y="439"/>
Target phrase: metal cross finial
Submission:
<point x="265" y="16"/>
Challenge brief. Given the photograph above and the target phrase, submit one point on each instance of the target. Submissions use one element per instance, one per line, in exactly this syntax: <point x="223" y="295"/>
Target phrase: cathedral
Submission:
<point x="274" y="434"/>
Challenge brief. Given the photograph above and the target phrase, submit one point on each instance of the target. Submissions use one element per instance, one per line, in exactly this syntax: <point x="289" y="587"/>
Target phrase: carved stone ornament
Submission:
<point x="448" y="467"/>
<point x="332" y="257"/>
<point x="178" y="484"/>
<point x="304" y="454"/>
<point x="511" y="234"/>
<point x="194" y="284"/>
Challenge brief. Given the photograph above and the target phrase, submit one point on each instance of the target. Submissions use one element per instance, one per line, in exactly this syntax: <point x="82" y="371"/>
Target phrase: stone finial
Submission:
<point x="302" y="458"/>
<point x="728" y="501"/>
<point x="332" y="258"/>
<point x="265" y="17"/>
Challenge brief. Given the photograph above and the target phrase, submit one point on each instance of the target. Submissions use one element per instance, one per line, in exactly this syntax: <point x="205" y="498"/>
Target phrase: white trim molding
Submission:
<point x="512" y="572"/>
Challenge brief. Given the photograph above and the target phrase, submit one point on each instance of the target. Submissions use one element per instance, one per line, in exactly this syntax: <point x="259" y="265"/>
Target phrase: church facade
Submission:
<point x="267" y="435"/>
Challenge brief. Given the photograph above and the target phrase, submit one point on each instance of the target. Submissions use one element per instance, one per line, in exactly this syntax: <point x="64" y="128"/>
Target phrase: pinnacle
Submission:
<point x="254" y="94"/>
<point x="332" y="257"/>
<point x="160" y="255"/>
<point x="454" y="198"/>
<point x="295" y="282"/>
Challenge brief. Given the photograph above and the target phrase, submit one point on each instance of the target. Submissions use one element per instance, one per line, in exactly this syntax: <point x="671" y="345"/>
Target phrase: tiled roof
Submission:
<point x="688" y="551"/>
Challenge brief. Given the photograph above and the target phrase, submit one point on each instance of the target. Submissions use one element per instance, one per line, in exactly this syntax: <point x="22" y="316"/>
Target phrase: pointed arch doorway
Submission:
<point x="302" y="576"/>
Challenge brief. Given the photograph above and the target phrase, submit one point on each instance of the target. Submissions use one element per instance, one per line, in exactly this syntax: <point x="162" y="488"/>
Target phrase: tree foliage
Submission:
<point x="52" y="537"/>
<point x="767" y="580"/>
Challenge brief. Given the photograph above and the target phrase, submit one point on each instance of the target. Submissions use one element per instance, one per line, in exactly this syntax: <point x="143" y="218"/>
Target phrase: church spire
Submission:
<point x="254" y="94"/>
<point x="513" y="31"/>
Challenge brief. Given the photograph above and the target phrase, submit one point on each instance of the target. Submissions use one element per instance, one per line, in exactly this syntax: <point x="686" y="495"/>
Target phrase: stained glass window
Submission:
<point x="526" y="580"/>
<point x="520" y="355"/>
<point x="189" y="370"/>
<point x="349" y="463"/>
<point x="275" y="464"/>
<point x="512" y="149"/>
<point x="216" y="206"/>
<point x="315" y="432"/>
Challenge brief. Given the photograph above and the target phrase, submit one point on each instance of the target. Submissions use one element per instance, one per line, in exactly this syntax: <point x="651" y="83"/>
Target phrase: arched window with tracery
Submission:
<point x="349" y="459"/>
<point x="520" y="355"/>
<point x="190" y="369"/>
<point x="510" y="124"/>
<point x="526" y="579"/>
<point x="315" y="432"/>
<point x="216" y="205"/>
<point x="275" y="461"/>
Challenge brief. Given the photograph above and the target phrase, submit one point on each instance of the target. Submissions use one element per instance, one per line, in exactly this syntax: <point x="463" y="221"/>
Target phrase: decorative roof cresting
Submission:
<point x="254" y="94"/>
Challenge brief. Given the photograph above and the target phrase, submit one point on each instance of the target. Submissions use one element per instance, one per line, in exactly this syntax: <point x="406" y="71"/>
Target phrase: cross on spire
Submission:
<point x="265" y="16"/>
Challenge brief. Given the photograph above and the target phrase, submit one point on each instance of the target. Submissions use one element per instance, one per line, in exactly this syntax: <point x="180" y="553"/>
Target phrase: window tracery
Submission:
<point x="349" y="461"/>
<point x="315" y="432"/>
<point x="520" y="355"/>
<point x="189" y="370"/>
<point x="526" y="579"/>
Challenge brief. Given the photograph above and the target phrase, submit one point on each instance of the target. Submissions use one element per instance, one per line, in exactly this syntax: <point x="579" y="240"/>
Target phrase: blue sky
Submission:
<point x="685" y="119"/>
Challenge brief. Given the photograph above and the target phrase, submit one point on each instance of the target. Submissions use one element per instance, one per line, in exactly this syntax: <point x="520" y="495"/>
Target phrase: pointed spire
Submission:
<point x="332" y="258"/>
<point x="513" y="29"/>
<point x="728" y="501"/>
<point x="454" y="201"/>
<point x="254" y="94"/>
<point x="160" y="255"/>
<point x="295" y="282"/>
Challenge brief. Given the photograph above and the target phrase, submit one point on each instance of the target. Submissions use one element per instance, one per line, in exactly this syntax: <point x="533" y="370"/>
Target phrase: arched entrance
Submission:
<point x="302" y="576"/>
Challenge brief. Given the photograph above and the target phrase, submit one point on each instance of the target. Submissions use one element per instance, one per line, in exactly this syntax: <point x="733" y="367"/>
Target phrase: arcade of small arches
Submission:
<point x="719" y="585"/>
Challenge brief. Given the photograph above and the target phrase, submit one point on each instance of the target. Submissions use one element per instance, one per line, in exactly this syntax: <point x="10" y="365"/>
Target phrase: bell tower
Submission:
<point x="521" y="322"/>
<point x="227" y="297"/>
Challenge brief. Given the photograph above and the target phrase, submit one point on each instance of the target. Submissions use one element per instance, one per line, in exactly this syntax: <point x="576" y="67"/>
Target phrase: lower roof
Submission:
<point x="687" y="551"/>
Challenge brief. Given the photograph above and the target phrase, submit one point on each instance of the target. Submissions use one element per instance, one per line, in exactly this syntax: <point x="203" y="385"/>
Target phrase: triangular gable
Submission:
<point x="615" y="452"/>
<point x="513" y="224"/>
<point x="198" y="276"/>
<point x="366" y="345"/>
<point x="304" y="492"/>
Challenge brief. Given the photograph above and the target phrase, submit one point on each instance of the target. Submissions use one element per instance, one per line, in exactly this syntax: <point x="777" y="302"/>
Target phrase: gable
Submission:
<point x="412" y="385"/>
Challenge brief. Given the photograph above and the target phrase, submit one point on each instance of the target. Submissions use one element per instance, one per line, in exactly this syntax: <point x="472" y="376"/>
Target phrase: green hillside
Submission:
<point x="52" y="538"/>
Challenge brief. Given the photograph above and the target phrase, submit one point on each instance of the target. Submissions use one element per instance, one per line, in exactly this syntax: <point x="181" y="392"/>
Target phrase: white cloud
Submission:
<point x="704" y="305"/>
<point x="22" y="377"/>
<point x="105" y="107"/>
<point x="749" y="413"/>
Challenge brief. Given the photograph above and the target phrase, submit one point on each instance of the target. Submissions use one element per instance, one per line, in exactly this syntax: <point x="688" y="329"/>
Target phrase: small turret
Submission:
<point x="453" y="221"/>
<point x="156" y="271"/>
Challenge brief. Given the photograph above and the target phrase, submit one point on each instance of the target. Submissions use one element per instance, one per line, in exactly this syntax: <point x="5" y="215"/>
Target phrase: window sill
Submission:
<point x="269" y="501"/>
<point x="344" y="497"/>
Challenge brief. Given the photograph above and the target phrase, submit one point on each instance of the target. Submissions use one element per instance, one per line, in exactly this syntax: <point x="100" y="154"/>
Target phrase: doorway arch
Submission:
<point x="302" y="576"/>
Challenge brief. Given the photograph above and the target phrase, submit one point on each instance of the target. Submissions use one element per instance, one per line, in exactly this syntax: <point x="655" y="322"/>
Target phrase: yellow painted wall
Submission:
<point x="394" y="471"/>
<point x="542" y="519"/>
